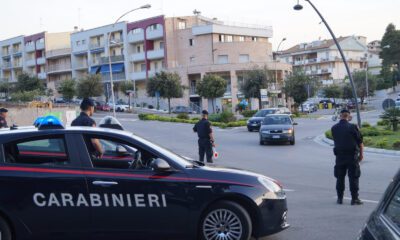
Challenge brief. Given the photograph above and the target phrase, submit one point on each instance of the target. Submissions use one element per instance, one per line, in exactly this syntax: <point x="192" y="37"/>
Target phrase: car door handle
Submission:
<point x="104" y="183"/>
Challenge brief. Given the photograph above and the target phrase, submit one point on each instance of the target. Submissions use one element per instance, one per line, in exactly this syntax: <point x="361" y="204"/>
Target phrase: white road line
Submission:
<point x="288" y="190"/>
<point x="364" y="200"/>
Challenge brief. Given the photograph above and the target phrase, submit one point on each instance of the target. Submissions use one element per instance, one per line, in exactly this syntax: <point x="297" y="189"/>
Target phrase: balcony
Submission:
<point x="6" y="65"/>
<point x="114" y="59"/>
<point x="326" y="70"/>
<point x="30" y="62"/>
<point x="17" y="64"/>
<point x="116" y="41"/>
<point x="39" y="45"/>
<point x="58" y="53"/>
<point x="80" y="65"/>
<point x="192" y="90"/>
<point x="155" y="33"/>
<point x="137" y="57"/>
<point x="155" y="54"/>
<point x="42" y="75"/>
<point x="136" y="37"/>
<point x="41" y="61"/>
<point x="30" y="47"/>
<point x="137" y="76"/>
<point x="116" y="77"/>
<point x="58" y="68"/>
<point x="96" y="45"/>
<point x="16" y="51"/>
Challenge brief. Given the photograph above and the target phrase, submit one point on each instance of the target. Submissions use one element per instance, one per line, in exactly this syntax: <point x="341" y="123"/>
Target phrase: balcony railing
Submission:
<point x="6" y="65"/>
<point x="137" y="57"/>
<point x="41" y="61"/>
<point x="118" y="58"/>
<point x="39" y="45"/>
<point x="16" y="50"/>
<point x="58" y="68"/>
<point x="17" y="64"/>
<point x="192" y="90"/>
<point x="116" y="76"/>
<point x="42" y="75"/>
<point x="58" y="53"/>
<point x="95" y="45"/>
<point x="155" y="54"/>
<point x="136" y="37"/>
<point x="80" y="65"/>
<point x="29" y="47"/>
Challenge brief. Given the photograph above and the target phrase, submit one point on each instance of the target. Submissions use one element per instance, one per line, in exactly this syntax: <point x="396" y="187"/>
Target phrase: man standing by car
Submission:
<point x="3" y="116"/>
<point x="349" y="153"/>
<point x="85" y="120"/>
<point x="206" y="137"/>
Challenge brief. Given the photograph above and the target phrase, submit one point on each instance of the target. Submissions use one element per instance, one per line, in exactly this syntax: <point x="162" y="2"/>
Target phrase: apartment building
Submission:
<point x="11" y="58"/>
<point x="374" y="61"/>
<point x="321" y="59"/>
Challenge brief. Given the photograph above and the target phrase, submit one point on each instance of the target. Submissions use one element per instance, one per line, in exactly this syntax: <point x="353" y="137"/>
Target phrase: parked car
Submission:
<point x="102" y="106"/>
<point x="277" y="128"/>
<point x="384" y="222"/>
<point x="350" y="104"/>
<point x="182" y="109"/>
<point x="60" y="100"/>
<point x="308" y="108"/>
<point x="120" y="106"/>
<point x="254" y="123"/>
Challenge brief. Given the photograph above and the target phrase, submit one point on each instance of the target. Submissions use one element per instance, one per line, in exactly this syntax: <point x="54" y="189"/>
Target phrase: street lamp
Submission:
<point x="276" y="62"/>
<point x="147" y="6"/>
<point x="298" y="7"/>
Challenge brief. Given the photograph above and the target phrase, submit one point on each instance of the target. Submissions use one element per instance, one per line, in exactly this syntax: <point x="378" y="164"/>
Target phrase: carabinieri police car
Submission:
<point x="55" y="186"/>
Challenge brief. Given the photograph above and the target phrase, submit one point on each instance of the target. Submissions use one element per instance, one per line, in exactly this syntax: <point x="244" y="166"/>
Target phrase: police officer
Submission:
<point x="3" y="116"/>
<point x="206" y="138"/>
<point x="349" y="153"/>
<point x="85" y="120"/>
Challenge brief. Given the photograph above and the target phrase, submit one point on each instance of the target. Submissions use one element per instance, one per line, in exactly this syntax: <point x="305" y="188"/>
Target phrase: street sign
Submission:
<point x="388" y="103"/>
<point x="264" y="95"/>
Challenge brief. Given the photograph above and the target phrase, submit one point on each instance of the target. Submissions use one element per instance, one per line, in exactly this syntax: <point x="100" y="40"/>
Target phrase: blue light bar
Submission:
<point x="50" y="122"/>
<point x="38" y="121"/>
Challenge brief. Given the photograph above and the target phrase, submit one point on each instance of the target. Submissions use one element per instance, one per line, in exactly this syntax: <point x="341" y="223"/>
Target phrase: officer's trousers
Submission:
<point x="205" y="148"/>
<point x="354" y="172"/>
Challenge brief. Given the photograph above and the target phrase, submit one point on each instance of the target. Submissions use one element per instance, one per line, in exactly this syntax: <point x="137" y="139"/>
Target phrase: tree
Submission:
<point x="297" y="86"/>
<point x="361" y="85"/>
<point x="29" y="83"/>
<point x="167" y="85"/>
<point x="391" y="55"/>
<point x="5" y="88"/>
<point x="90" y="86"/>
<point x="67" y="89"/>
<point x="211" y="87"/>
<point x="254" y="81"/>
<point x="332" y="91"/>
<point x="347" y="92"/>
<point x="393" y="116"/>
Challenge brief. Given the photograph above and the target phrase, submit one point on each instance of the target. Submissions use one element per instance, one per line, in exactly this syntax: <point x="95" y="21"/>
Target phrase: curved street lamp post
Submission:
<point x="299" y="7"/>
<point x="147" y="6"/>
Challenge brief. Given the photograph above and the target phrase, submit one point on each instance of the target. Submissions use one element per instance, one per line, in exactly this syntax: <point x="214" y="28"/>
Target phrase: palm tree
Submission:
<point x="393" y="116"/>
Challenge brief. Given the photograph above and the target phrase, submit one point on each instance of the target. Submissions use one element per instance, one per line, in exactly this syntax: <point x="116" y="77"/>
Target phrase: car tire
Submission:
<point x="239" y="227"/>
<point x="293" y="142"/>
<point x="5" y="231"/>
<point x="250" y="130"/>
<point x="262" y="142"/>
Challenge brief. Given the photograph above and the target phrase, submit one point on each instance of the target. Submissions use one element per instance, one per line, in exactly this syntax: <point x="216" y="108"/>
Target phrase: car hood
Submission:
<point x="256" y="119"/>
<point x="234" y="171"/>
<point x="276" y="127"/>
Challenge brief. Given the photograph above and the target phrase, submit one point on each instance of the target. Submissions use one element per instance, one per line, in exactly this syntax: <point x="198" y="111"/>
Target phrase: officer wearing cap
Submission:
<point x="349" y="153"/>
<point x="85" y="120"/>
<point x="206" y="138"/>
<point x="3" y="116"/>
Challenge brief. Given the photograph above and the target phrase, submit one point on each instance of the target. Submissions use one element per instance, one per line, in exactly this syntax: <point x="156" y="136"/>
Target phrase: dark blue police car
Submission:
<point x="53" y="186"/>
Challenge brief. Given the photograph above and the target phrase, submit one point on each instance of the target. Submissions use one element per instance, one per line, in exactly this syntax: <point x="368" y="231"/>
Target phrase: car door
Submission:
<point x="134" y="203"/>
<point x="40" y="179"/>
<point x="390" y="217"/>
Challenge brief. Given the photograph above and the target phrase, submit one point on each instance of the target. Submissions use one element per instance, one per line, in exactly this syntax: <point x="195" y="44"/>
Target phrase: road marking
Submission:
<point x="364" y="200"/>
<point x="288" y="190"/>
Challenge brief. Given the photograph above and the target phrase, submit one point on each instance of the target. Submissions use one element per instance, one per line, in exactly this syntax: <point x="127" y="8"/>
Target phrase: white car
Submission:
<point x="306" y="108"/>
<point x="119" y="107"/>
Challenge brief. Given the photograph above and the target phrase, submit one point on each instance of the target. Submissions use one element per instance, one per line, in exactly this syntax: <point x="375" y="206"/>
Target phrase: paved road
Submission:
<point x="306" y="171"/>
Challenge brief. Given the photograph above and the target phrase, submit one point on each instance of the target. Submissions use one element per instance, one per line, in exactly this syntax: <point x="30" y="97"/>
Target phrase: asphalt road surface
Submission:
<point x="305" y="170"/>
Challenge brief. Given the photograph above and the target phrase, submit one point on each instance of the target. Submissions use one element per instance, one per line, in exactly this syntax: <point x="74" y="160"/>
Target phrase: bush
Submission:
<point x="227" y="117"/>
<point x="382" y="143"/>
<point x="249" y="113"/>
<point x="365" y="125"/>
<point x="25" y="96"/>
<point x="328" y="134"/>
<point x="195" y="119"/>
<point x="214" y="117"/>
<point x="368" y="141"/>
<point x="370" y="131"/>
<point x="183" y="116"/>
<point x="383" y="123"/>
<point x="396" y="145"/>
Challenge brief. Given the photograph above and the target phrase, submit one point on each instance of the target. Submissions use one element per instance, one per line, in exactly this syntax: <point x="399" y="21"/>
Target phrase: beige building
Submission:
<point x="321" y="59"/>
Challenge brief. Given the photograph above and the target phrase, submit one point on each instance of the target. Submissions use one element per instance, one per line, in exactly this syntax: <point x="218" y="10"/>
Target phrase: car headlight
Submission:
<point x="248" y="121"/>
<point x="266" y="131"/>
<point x="274" y="190"/>
<point x="288" y="131"/>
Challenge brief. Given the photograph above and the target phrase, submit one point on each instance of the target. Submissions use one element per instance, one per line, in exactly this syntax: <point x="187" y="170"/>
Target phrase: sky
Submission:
<point x="347" y="17"/>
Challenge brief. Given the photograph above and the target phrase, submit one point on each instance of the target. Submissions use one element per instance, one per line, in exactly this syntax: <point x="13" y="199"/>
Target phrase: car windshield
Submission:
<point x="263" y="113"/>
<point x="277" y="120"/>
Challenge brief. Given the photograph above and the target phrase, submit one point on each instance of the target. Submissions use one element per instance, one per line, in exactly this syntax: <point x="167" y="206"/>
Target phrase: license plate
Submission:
<point x="254" y="124"/>
<point x="276" y="136"/>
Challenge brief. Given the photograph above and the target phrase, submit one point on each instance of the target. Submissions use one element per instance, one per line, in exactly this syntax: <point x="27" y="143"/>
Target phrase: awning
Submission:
<point x="116" y="68"/>
<point x="94" y="70"/>
<point x="97" y="50"/>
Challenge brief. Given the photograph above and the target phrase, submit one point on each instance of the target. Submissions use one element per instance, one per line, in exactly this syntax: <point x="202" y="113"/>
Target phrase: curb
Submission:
<point x="322" y="139"/>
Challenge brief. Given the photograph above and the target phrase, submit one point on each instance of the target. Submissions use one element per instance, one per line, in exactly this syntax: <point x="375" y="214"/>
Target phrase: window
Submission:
<point x="182" y="25"/>
<point x="143" y="67"/>
<point x="254" y="39"/>
<point x="153" y="27"/>
<point x="83" y="42"/>
<point x="192" y="59"/>
<point x="191" y="42"/>
<point x="40" y="151"/>
<point x="221" y="38"/>
<point x="138" y="49"/>
<point x="244" y="58"/>
<point x="222" y="59"/>
<point x="118" y="154"/>
<point x="241" y="39"/>
<point x="392" y="211"/>
<point x="137" y="30"/>
<point x="229" y="38"/>
<point x="78" y="43"/>
<point x="161" y="45"/>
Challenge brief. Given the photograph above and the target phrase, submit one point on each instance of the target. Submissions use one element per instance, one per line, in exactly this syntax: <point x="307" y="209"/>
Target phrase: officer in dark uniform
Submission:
<point x="85" y="120"/>
<point x="206" y="138"/>
<point x="3" y="116"/>
<point x="349" y="153"/>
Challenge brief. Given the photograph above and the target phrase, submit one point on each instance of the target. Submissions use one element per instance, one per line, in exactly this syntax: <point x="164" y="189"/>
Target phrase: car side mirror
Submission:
<point x="295" y="123"/>
<point x="160" y="165"/>
<point x="121" y="150"/>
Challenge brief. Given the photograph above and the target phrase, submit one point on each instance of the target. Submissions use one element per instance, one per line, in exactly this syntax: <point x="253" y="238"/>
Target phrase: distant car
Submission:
<point x="182" y="109"/>
<point x="277" y="128"/>
<point x="60" y="100"/>
<point x="384" y="222"/>
<point x="350" y="104"/>
<point x="308" y="108"/>
<point x="254" y="123"/>
<point x="102" y="106"/>
<point x="120" y="106"/>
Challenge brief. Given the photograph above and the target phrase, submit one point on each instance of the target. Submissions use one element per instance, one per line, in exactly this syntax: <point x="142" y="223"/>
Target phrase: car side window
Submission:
<point x="40" y="151"/>
<point x="392" y="211"/>
<point x="118" y="154"/>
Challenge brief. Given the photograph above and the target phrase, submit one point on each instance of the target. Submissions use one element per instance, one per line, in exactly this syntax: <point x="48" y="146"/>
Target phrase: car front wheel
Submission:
<point x="226" y="220"/>
<point x="5" y="232"/>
